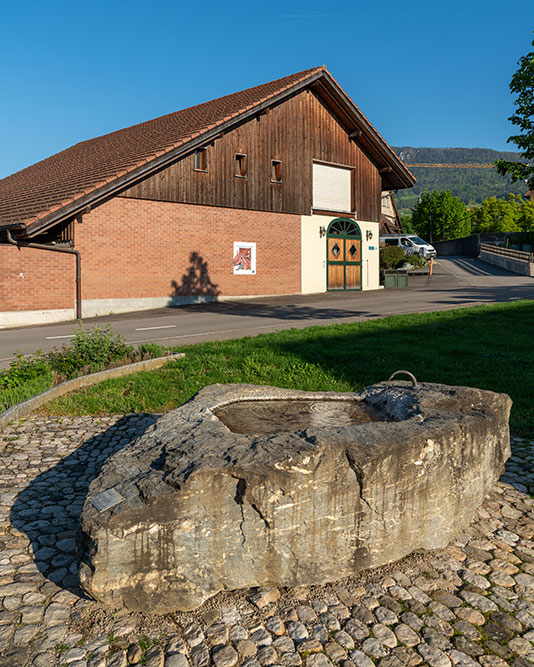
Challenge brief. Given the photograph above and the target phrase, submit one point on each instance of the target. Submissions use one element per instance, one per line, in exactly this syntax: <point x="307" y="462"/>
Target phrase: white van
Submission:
<point x="410" y="243"/>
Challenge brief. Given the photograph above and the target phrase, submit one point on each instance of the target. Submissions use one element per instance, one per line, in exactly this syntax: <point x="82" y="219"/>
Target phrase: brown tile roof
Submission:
<point x="33" y="195"/>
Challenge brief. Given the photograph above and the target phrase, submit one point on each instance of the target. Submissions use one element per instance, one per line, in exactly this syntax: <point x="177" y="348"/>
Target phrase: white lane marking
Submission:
<point x="54" y="337"/>
<point x="163" y="326"/>
<point x="302" y="324"/>
<point x="12" y="357"/>
<point x="211" y="333"/>
<point x="296" y="324"/>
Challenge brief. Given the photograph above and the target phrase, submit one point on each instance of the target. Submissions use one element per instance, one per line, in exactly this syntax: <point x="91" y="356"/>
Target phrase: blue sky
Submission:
<point x="424" y="73"/>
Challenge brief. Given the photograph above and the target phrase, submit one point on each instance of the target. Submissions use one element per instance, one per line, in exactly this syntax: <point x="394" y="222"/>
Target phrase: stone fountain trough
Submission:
<point x="249" y="486"/>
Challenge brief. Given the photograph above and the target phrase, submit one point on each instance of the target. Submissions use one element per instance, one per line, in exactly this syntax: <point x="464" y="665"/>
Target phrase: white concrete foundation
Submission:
<point x="21" y="318"/>
<point x="103" y="307"/>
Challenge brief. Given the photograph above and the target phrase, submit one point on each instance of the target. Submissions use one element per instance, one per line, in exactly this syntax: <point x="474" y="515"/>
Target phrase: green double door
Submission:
<point x="344" y="255"/>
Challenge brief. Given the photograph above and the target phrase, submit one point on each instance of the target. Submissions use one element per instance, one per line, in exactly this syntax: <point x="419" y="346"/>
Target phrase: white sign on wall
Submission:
<point x="244" y="262"/>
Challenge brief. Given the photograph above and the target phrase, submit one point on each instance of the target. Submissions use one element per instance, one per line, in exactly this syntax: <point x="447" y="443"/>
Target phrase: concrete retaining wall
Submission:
<point x="508" y="263"/>
<point x="468" y="245"/>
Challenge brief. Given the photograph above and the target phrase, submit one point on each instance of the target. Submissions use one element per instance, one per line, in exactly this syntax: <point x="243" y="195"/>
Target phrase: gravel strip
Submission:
<point x="469" y="604"/>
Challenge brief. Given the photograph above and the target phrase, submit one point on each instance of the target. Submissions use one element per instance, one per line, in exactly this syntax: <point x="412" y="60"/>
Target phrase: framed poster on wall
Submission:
<point x="244" y="262"/>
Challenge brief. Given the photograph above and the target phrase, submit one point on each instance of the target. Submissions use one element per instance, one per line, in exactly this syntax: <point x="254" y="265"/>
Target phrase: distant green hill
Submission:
<point x="470" y="184"/>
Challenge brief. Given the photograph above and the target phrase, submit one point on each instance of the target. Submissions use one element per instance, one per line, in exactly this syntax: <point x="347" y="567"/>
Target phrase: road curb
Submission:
<point x="28" y="406"/>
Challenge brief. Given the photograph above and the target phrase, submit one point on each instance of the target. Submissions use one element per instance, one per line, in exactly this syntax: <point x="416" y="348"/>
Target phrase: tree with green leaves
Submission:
<point x="406" y="222"/>
<point x="526" y="219"/>
<point x="522" y="84"/>
<point x="439" y="216"/>
<point x="512" y="214"/>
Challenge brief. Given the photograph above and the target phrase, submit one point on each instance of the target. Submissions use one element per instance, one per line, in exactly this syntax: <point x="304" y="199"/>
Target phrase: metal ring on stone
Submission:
<point x="410" y="375"/>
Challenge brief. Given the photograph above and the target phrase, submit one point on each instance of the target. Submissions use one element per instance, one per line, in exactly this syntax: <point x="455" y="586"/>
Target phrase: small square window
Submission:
<point x="201" y="162"/>
<point x="276" y="171"/>
<point x="240" y="165"/>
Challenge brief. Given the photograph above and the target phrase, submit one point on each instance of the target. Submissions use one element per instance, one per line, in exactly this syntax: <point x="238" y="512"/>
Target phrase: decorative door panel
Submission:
<point x="336" y="278"/>
<point x="353" y="250"/>
<point x="335" y="250"/>
<point x="352" y="276"/>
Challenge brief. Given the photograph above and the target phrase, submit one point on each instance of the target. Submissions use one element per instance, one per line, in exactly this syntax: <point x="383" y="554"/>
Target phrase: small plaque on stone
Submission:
<point x="105" y="500"/>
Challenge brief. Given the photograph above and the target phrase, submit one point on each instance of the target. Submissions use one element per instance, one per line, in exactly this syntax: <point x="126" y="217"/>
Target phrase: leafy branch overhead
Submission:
<point x="522" y="84"/>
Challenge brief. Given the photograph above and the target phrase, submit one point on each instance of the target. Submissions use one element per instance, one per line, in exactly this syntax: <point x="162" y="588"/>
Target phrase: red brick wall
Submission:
<point x="134" y="248"/>
<point x="36" y="279"/>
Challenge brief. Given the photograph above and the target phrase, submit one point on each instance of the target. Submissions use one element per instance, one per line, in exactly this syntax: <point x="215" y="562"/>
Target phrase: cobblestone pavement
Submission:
<point x="469" y="604"/>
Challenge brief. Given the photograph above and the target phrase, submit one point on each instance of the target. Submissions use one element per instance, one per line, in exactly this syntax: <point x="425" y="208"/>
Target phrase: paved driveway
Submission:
<point x="457" y="282"/>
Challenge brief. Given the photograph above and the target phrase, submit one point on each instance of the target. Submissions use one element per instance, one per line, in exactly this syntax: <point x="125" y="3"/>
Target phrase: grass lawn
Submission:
<point x="9" y="397"/>
<point x="487" y="346"/>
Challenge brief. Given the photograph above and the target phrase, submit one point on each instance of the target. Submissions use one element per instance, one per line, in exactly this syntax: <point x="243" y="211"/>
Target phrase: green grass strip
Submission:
<point x="487" y="346"/>
<point x="37" y="385"/>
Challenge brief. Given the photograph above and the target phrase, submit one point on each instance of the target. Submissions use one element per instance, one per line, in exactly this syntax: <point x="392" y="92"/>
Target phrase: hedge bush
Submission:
<point x="391" y="257"/>
<point x="90" y="351"/>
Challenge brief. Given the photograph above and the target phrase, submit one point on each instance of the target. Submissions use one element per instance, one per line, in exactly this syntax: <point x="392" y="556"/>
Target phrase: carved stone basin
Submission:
<point x="267" y="417"/>
<point x="193" y="507"/>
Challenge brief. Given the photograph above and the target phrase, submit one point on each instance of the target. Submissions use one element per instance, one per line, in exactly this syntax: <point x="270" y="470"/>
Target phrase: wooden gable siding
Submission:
<point x="295" y="132"/>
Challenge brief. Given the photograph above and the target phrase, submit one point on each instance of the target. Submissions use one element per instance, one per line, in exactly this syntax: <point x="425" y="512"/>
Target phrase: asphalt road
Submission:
<point x="457" y="282"/>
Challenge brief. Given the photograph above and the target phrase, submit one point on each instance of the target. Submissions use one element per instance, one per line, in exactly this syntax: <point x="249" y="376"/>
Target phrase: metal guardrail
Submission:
<point x="518" y="255"/>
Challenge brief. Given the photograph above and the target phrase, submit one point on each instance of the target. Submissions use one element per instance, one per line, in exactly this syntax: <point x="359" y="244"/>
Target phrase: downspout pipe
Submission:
<point x="51" y="248"/>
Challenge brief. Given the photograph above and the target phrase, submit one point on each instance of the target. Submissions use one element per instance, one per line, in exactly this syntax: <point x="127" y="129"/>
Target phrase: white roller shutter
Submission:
<point x="332" y="188"/>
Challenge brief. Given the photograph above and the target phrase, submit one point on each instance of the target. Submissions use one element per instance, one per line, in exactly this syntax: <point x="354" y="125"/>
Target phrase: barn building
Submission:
<point x="273" y="190"/>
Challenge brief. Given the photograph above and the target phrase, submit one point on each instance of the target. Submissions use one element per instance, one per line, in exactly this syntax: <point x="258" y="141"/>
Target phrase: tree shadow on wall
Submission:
<point x="196" y="281"/>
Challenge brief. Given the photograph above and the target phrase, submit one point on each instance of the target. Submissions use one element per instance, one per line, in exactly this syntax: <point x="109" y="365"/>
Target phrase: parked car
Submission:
<point x="410" y="243"/>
